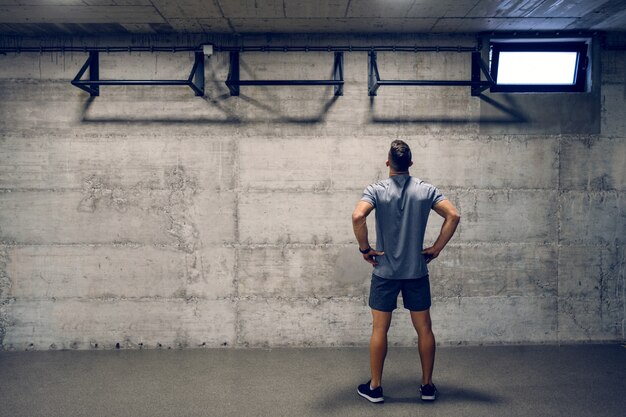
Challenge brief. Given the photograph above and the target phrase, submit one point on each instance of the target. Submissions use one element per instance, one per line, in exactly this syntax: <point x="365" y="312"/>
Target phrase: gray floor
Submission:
<point x="580" y="380"/>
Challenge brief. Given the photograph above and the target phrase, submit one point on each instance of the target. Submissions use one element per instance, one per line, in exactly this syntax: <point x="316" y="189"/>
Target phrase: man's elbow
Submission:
<point x="452" y="216"/>
<point x="357" y="218"/>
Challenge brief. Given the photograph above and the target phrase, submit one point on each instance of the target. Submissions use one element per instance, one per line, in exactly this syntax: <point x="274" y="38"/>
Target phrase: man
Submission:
<point x="402" y="205"/>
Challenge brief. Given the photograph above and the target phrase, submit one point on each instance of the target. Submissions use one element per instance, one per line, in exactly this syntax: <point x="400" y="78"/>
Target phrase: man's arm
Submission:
<point x="445" y="209"/>
<point x="359" y="225"/>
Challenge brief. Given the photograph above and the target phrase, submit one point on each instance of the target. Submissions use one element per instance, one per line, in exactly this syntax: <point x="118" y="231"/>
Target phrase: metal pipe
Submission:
<point x="379" y="48"/>
<point x="107" y="49"/>
<point x="260" y="48"/>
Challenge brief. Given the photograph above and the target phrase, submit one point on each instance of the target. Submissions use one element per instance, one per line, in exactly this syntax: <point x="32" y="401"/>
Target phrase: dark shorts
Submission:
<point x="384" y="293"/>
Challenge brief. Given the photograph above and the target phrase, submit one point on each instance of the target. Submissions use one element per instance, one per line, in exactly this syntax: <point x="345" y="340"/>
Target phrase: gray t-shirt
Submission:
<point x="402" y="205"/>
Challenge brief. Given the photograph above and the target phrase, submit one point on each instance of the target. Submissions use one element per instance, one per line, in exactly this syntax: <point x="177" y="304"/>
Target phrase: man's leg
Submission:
<point x="426" y="343"/>
<point x="381" y="320"/>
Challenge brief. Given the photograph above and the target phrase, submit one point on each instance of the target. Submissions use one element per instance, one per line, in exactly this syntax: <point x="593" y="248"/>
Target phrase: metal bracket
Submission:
<point x="476" y="84"/>
<point x="233" y="82"/>
<point x="478" y="65"/>
<point x="195" y="80"/>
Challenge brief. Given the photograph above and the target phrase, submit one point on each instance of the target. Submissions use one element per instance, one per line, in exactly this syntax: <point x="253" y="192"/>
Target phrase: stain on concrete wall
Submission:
<point x="151" y="218"/>
<point x="172" y="203"/>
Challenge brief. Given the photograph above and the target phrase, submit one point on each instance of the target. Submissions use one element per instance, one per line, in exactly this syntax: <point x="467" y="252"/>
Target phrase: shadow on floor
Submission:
<point x="405" y="392"/>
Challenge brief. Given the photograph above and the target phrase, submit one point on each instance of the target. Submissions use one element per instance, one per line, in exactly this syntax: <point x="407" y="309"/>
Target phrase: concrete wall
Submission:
<point x="148" y="217"/>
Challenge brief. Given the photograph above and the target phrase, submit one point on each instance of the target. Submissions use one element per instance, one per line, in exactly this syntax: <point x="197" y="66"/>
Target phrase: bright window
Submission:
<point x="539" y="66"/>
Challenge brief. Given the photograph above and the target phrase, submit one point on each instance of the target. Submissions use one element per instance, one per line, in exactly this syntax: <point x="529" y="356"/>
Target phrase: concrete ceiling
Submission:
<point x="36" y="17"/>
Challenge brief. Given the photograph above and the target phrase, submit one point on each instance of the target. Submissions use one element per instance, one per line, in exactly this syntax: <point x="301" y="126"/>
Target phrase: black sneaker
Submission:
<point x="429" y="392"/>
<point x="373" y="395"/>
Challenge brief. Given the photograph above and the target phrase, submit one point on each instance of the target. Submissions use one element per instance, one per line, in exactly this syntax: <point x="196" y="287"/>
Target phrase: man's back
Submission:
<point x="402" y="204"/>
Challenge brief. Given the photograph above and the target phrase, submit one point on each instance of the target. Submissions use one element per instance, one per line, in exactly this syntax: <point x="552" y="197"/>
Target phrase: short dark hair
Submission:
<point x="400" y="156"/>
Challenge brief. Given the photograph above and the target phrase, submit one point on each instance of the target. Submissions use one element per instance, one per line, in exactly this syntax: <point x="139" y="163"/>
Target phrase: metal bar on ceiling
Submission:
<point x="338" y="73"/>
<point x="373" y="77"/>
<point x="94" y="72"/>
<point x="196" y="77"/>
<point x="233" y="82"/>
<point x="195" y="80"/>
<point x="476" y="84"/>
<point x="92" y="76"/>
<point x="233" y="74"/>
<point x="131" y="82"/>
<point x="318" y="48"/>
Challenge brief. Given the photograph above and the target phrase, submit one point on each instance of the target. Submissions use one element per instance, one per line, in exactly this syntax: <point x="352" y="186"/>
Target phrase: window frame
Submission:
<point x="580" y="74"/>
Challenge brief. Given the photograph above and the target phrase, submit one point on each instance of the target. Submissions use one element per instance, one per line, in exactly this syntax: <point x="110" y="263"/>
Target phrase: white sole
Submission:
<point x="370" y="399"/>
<point x="428" y="397"/>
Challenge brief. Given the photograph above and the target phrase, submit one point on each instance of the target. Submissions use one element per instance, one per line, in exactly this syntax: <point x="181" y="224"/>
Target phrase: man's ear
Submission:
<point x="411" y="164"/>
<point x="387" y="163"/>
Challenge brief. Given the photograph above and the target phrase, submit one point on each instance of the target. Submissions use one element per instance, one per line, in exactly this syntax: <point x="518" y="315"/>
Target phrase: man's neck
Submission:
<point x="393" y="173"/>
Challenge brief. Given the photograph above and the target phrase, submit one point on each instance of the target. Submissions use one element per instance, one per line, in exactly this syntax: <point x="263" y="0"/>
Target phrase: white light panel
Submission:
<point x="537" y="68"/>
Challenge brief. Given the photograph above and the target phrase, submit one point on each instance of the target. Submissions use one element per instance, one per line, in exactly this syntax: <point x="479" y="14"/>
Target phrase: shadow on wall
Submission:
<point x="230" y="116"/>
<point x="510" y="111"/>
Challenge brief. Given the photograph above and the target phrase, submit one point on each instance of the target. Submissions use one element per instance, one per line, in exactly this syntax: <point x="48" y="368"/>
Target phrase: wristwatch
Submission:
<point x="364" y="251"/>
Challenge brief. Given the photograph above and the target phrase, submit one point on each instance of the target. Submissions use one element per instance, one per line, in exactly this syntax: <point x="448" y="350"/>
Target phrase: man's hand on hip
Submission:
<point x="370" y="256"/>
<point x="430" y="253"/>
